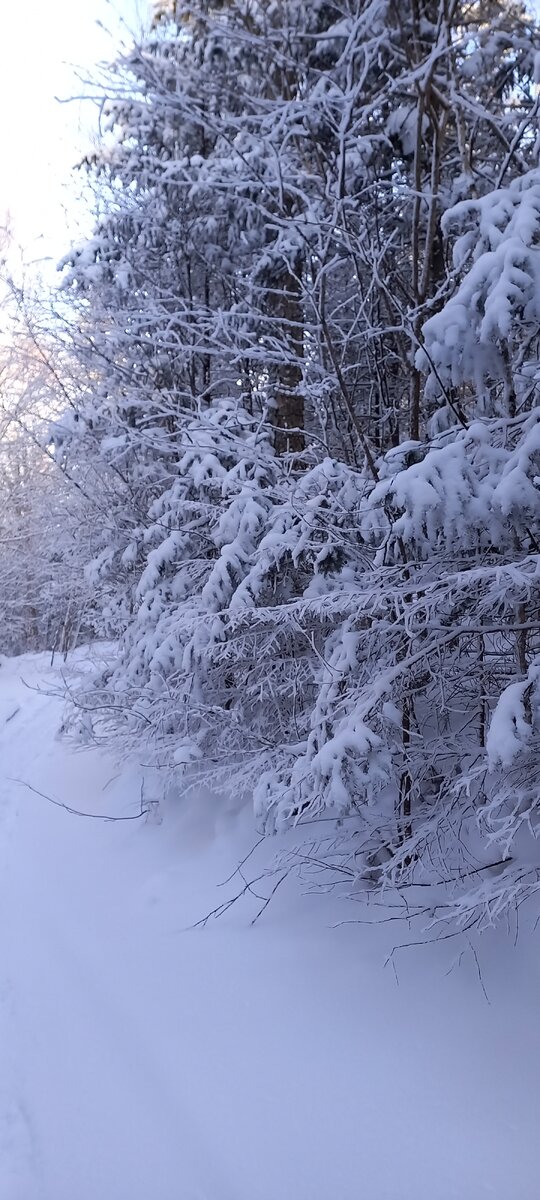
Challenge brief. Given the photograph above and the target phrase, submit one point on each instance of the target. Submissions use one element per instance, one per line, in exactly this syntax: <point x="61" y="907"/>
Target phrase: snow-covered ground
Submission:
<point x="143" y="1059"/>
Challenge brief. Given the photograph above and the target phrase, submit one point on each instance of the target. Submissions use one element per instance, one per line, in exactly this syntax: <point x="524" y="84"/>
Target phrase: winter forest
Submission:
<point x="278" y="435"/>
<point x="270" y="501"/>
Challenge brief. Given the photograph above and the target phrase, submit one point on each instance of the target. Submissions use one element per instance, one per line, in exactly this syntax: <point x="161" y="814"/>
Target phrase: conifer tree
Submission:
<point x="310" y="308"/>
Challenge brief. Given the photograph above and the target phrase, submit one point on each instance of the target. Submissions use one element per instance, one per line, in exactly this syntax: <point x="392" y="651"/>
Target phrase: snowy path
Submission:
<point x="143" y="1060"/>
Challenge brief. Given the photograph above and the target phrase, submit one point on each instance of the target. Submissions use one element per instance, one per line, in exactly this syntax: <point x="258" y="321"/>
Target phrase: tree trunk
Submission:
<point x="288" y="396"/>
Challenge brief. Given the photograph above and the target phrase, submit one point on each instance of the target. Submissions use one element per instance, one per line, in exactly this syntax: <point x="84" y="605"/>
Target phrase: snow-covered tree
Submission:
<point x="44" y="599"/>
<point x="309" y="316"/>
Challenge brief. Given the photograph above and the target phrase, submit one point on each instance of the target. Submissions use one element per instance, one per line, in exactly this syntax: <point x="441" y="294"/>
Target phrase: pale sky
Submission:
<point x="41" y="45"/>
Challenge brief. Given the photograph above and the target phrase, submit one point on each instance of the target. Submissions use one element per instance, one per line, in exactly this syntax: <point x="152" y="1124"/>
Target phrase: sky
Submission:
<point x="42" y="54"/>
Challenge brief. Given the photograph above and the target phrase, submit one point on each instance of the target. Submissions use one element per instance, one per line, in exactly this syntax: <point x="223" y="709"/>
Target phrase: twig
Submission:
<point x="242" y="863"/>
<point x="77" y="812"/>
<point x="270" y="897"/>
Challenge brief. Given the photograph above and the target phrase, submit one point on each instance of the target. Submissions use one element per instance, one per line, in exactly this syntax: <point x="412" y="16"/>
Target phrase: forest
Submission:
<point x="274" y="437"/>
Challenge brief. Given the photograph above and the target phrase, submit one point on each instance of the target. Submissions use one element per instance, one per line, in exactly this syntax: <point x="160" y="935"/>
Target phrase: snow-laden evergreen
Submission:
<point x="309" y="316"/>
